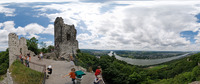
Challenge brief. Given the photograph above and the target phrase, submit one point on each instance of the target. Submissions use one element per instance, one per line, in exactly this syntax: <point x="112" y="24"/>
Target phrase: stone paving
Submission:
<point x="60" y="68"/>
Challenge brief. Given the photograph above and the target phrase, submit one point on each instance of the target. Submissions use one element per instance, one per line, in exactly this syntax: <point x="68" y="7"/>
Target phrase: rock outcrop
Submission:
<point x="64" y="39"/>
<point x="17" y="47"/>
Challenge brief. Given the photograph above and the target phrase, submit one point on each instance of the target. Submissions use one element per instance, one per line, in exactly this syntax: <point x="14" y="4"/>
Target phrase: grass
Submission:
<point x="25" y="75"/>
<point x="157" y="67"/>
<point x="1" y="78"/>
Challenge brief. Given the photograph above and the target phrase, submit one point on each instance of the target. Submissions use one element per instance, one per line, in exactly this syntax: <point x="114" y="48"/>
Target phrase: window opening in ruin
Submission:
<point x="20" y="50"/>
<point x="68" y="37"/>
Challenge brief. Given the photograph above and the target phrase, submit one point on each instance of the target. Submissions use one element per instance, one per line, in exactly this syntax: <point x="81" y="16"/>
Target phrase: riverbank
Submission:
<point x="147" y="62"/>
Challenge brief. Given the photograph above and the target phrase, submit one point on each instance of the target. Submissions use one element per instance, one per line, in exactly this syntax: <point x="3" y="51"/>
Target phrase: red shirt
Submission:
<point x="20" y="57"/>
<point x="98" y="71"/>
<point x="72" y="75"/>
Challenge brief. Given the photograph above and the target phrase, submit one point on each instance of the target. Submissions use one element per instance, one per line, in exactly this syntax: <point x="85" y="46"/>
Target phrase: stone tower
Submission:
<point x="13" y="43"/>
<point x="65" y="39"/>
<point x="17" y="47"/>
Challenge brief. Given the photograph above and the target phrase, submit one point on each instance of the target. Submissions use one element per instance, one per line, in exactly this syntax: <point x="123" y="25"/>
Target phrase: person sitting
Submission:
<point x="98" y="79"/>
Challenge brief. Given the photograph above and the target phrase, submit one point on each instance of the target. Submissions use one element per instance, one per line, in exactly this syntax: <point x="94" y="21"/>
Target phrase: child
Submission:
<point x="72" y="75"/>
<point x="49" y="70"/>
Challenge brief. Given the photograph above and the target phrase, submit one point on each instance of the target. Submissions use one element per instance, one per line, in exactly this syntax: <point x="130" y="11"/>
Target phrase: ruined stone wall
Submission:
<point x="16" y="47"/>
<point x="65" y="39"/>
<point x="13" y="43"/>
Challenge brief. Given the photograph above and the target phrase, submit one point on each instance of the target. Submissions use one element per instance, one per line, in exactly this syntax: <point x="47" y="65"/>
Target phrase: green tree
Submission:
<point x="4" y="62"/>
<point x="33" y="45"/>
<point x="43" y="45"/>
<point x="50" y="48"/>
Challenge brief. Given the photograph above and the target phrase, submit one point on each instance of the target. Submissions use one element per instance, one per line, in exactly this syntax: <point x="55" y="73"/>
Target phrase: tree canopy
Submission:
<point x="32" y="45"/>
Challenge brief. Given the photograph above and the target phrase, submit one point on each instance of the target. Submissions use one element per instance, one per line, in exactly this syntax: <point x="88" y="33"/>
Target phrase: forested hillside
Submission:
<point x="115" y="71"/>
<point x="4" y="62"/>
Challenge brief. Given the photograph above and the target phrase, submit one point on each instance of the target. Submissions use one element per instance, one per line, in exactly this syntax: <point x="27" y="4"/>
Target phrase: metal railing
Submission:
<point x="37" y="64"/>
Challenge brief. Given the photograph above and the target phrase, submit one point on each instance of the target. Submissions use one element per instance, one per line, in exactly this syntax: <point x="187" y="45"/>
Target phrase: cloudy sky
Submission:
<point x="107" y="24"/>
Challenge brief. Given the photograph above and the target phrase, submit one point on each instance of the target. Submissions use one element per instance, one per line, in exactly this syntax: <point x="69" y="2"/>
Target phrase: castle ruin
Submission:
<point x="64" y="39"/>
<point x="16" y="47"/>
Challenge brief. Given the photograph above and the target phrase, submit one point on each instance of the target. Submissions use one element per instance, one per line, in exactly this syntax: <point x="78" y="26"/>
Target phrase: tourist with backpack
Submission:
<point x="79" y="76"/>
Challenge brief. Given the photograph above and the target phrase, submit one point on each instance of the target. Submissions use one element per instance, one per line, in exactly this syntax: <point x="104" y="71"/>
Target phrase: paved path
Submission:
<point x="60" y="68"/>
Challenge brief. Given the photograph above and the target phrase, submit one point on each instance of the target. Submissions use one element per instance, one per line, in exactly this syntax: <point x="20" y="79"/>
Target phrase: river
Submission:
<point x="143" y="62"/>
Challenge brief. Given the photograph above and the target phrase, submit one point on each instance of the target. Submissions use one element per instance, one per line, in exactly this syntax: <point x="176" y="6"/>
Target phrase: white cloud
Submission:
<point x="33" y="35"/>
<point x="140" y="25"/>
<point x="3" y="47"/>
<point x="137" y="26"/>
<point x="197" y="38"/>
<point x="34" y="28"/>
<point x="7" y="11"/>
<point x="49" y="29"/>
<point x="31" y="1"/>
<point x="48" y="43"/>
<point x="29" y="31"/>
<point x="84" y="36"/>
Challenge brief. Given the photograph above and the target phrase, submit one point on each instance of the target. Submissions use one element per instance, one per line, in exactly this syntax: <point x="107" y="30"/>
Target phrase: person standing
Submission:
<point x="72" y="75"/>
<point x="72" y="61"/>
<point x="41" y="55"/>
<point x="28" y="58"/>
<point x="98" y="71"/>
<point x="79" y="76"/>
<point x="21" y="58"/>
<point x="49" y="71"/>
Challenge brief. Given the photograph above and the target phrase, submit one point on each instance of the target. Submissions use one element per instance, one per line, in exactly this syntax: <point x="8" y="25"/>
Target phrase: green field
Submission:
<point x="157" y="67"/>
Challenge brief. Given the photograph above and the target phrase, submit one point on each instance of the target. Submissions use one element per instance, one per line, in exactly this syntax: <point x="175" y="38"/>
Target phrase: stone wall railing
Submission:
<point x="37" y="67"/>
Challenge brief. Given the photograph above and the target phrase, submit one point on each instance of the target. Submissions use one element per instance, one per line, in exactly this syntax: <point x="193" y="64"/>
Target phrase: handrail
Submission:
<point x="43" y="71"/>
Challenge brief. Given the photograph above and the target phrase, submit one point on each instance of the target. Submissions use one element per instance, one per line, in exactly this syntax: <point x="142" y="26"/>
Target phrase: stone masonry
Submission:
<point x="65" y="39"/>
<point x="17" y="47"/>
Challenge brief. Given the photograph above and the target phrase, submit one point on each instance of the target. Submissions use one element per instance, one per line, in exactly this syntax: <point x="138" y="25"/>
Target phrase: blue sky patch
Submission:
<point x="25" y="16"/>
<point x="198" y="17"/>
<point x="189" y="35"/>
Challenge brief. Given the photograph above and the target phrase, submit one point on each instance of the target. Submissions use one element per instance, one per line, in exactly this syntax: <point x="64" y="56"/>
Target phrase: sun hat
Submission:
<point x="49" y="66"/>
